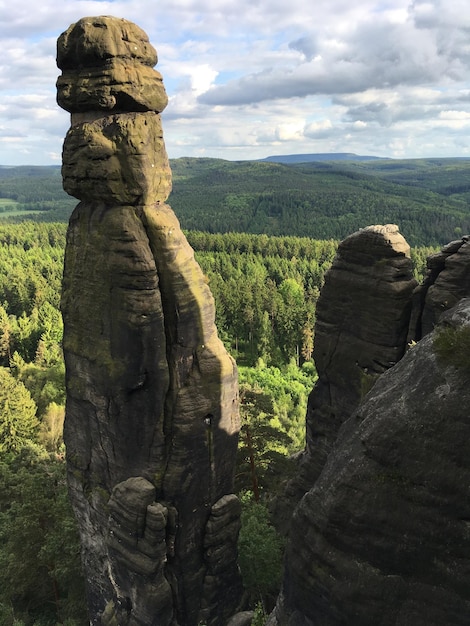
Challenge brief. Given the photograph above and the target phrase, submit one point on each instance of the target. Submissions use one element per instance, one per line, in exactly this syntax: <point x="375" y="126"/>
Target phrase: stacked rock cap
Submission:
<point x="114" y="151"/>
<point x="385" y="240"/>
<point x="107" y="64"/>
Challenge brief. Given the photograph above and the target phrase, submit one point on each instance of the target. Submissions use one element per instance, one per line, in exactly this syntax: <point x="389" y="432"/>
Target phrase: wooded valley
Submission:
<point x="271" y="233"/>
<point x="428" y="199"/>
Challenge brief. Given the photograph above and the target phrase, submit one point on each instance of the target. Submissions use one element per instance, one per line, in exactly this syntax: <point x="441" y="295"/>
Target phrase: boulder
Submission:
<point x="244" y="618"/>
<point x="107" y="64"/>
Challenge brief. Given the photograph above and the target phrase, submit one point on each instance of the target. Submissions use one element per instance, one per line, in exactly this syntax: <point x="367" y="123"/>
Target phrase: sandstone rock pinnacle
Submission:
<point x="361" y="330"/>
<point x="152" y="400"/>
<point x="380" y="531"/>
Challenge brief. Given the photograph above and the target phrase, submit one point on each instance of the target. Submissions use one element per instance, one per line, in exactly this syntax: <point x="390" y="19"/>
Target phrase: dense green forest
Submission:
<point x="27" y="189"/>
<point x="428" y="199"/>
<point x="265" y="290"/>
<point x="324" y="200"/>
<point x="42" y="584"/>
<point x="271" y="232"/>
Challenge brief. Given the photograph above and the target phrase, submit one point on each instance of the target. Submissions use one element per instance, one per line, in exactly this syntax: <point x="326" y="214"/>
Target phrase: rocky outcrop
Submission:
<point x="361" y="330"/>
<point x="380" y="531"/>
<point x="383" y="535"/>
<point x="447" y="281"/>
<point x="380" y="535"/>
<point x="152" y="401"/>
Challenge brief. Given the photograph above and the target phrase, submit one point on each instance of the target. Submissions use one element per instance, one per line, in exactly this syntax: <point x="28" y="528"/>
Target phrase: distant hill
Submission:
<point x="429" y="199"/>
<point x="319" y="156"/>
<point x="19" y="171"/>
<point x="35" y="190"/>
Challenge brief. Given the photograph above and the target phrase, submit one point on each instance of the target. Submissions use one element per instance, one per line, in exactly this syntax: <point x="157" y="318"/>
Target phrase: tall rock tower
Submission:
<point x="152" y="401"/>
<point x="361" y="329"/>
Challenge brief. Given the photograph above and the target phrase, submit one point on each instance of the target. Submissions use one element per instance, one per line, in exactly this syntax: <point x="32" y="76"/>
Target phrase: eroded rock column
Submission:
<point x="361" y="331"/>
<point x="152" y="400"/>
<point x="447" y="281"/>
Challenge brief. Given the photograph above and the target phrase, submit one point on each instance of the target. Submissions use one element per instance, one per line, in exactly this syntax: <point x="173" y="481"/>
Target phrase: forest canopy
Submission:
<point x="265" y="290"/>
<point x="429" y="199"/>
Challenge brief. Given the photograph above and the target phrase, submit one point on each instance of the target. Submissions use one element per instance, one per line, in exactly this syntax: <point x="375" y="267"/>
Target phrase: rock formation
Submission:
<point x="447" y="281"/>
<point x="152" y="401"/>
<point x="361" y="330"/>
<point x="380" y="531"/>
<point x="383" y="536"/>
<point x="380" y="535"/>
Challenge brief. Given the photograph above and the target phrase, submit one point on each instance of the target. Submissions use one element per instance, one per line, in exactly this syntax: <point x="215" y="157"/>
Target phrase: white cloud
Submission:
<point x="290" y="131"/>
<point x="248" y="78"/>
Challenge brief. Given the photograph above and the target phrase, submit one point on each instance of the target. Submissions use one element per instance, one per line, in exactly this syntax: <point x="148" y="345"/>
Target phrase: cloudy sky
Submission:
<point x="251" y="78"/>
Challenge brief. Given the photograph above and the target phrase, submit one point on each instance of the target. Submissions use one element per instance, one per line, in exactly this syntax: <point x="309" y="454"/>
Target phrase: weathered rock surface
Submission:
<point x="380" y="535"/>
<point x="447" y="281"/>
<point x="107" y="64"/>
<point x="139" y="532"/>
<point x="241" y="619"/>
<point x="361" y="330"/>
<point x="383" y="538"/>
<point x="152" y="400"/>
<point x="117" y="159"/>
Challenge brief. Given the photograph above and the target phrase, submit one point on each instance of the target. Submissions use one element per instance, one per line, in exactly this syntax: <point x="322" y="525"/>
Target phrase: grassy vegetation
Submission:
<point x="452" y="346"/>
<point x="6" y="204"/>
<point x="11" y="208"/>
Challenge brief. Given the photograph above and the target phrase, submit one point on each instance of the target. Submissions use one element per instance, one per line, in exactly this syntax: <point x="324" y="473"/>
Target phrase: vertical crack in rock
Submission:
<point x="152" y="400"/>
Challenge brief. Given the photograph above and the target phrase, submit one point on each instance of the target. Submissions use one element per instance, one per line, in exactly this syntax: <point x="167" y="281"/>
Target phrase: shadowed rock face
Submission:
<point x="447" y="281"/>
<point x="152" y="400"/>
<point x="380" y="535"/>
<point x="361" y="330"/>
<point x="385" y="529"/>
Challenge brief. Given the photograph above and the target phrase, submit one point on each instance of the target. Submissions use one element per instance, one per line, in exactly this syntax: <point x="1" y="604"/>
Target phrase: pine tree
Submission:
<point x="18" y="423"/>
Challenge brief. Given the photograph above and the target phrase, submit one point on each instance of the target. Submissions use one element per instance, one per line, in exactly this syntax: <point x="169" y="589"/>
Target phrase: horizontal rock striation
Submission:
<point x="152" y="400"/>
<point x="108" y="65"/>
